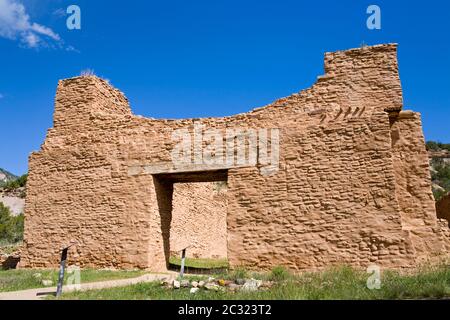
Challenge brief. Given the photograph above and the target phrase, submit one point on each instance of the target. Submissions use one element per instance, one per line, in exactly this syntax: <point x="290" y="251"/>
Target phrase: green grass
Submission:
<point x="200" y="263"/>
<point x="9" y="248"/>
<point x="21" y="279"/>
<point x="334" y="283"/>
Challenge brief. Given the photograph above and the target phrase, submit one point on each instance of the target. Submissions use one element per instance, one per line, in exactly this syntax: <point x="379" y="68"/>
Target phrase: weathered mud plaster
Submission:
<point x="352" y="185"/>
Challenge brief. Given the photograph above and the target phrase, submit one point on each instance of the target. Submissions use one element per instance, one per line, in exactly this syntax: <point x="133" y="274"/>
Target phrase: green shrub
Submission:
<point x="432" y="145"/>
<point x="438" y="194"/>
<point x="437" y="146"/>
<point x="15" y="184"/>
<point x="279" y="273"/>
<point x="238" y="273"/>
<point x="11" y="227"/>
<point x="441" y="176"/>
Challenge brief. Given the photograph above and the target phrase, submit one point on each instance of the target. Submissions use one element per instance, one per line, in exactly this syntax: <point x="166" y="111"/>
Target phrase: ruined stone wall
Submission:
<point x="336" y="206"/>
<point x="199" y="220"/>
<point x="413" y="190"/>
<point x="337" y="197"/>
<point x="77" y="189"/>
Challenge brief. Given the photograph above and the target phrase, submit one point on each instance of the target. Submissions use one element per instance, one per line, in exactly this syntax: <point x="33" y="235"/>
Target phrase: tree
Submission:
<point x="437" y="146"/>
<point x="15" y="184"/>
<point x="11" y="227"/>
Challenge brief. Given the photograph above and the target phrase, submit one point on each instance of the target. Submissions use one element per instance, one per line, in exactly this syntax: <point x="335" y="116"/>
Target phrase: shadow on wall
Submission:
<point x="9" y="263"/>
<point x="164" y="195"/>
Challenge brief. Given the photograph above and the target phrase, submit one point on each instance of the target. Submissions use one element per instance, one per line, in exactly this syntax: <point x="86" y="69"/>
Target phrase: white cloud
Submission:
<point x="45" y="31"/>
<point x="15" y="24"/>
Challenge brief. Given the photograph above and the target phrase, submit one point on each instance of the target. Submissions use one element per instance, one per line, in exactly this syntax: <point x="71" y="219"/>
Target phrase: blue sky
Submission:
<point x="176" y="59"/>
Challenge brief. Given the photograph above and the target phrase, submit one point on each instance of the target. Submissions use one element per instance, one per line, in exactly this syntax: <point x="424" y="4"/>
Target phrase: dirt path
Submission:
<point x="41" y="293"/>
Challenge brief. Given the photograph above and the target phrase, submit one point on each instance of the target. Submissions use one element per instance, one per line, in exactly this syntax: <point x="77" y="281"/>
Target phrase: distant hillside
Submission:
<point x="437" y="146"/>
<point x="6" y="176"/>
<point x="12" y="192"/>
<point x="439" y="154"/>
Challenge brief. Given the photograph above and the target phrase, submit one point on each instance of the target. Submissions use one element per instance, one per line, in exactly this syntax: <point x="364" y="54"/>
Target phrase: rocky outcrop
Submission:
<point x="13" y="199"/>
<point x="6" y="176"/>
<point x="440" y="154"/>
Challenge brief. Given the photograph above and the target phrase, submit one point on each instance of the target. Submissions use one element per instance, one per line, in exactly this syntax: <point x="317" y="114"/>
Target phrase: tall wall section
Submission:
<point x="415" y="197"/>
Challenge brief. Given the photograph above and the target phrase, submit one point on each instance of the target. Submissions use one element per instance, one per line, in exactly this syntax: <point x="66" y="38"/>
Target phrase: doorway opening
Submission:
<point x="193" y="212"/>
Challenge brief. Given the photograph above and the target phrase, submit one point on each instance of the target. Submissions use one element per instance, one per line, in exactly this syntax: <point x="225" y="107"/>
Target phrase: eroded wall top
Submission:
<point x="356" y="81"/>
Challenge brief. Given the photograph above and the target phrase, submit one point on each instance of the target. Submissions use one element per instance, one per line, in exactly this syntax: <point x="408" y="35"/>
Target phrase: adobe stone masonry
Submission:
<point x="198" y="220"/>
<point x="352" y="184"/>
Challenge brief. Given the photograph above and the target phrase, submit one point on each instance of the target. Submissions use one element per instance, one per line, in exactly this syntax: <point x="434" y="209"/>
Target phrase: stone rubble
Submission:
<point x="252" y="285"/>
<point x="223" y="285"/>
<point x="9" y="260"/>
<point x="194" y="290"/>
<point x="47" y="283"/>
